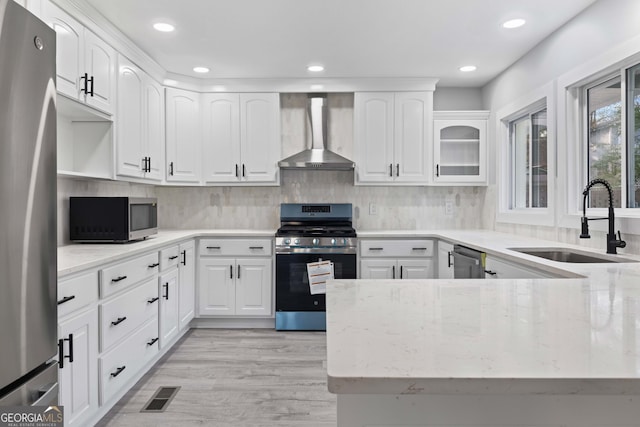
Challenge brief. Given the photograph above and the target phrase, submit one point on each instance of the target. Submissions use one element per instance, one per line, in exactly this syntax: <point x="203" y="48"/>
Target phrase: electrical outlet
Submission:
<point x="373" y="209"/>
<point x="448" y="208"/>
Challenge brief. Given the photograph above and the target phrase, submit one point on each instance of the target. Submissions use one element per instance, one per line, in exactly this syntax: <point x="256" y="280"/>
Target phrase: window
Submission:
<point x="529" y="163"/>
<point x="613" y="138"/>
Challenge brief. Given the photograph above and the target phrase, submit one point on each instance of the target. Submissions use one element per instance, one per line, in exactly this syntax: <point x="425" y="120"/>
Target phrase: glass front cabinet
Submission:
<point x="460" y="147"/>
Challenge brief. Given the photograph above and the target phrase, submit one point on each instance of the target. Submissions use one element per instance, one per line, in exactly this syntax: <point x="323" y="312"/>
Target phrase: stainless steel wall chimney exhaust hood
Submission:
<point x="318" y="156"/>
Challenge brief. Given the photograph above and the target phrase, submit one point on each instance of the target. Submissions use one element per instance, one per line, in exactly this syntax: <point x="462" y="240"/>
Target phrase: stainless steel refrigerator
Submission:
<point x="28" y="272"/>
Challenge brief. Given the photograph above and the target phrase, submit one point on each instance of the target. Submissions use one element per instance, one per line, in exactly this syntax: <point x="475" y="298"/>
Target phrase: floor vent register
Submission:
<point x="160" y="400"/>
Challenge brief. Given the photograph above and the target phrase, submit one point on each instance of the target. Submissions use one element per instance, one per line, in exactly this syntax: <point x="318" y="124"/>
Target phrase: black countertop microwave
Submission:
<point x="112" y="219"/>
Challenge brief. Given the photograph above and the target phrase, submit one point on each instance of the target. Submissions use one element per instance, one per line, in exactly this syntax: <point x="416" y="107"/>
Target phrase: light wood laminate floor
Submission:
<point x="231" y="377"/>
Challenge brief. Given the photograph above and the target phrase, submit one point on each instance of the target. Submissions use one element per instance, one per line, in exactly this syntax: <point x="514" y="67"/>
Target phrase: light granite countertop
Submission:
<point x="81" y="256"/>
<point x="576" y="335"/>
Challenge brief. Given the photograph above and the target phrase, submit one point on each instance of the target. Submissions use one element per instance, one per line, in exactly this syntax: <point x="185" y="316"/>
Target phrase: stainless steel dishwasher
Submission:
<point x="467" y="263"/>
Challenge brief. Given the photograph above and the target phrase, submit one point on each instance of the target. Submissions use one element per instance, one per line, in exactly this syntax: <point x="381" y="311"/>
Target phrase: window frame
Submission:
<point x="571" y="122"/>
<point x="536" y="101"/>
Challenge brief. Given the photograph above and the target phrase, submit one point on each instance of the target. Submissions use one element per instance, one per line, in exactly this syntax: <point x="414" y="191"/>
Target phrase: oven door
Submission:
<point x="292" y="282"/>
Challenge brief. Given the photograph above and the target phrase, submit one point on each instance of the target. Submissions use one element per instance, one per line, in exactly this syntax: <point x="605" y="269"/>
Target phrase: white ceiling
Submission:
<point x="351" y="38"/>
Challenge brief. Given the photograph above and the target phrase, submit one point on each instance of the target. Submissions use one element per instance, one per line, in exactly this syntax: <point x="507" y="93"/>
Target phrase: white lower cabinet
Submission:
<point x="78" y="373"/>
<point x="123" y="362"/>
<point x="168" y="306"/>
<point x="497" y="268"/>
<point x="397" y="259"/>
<point x="445" y="260"/>
<point x="230" y="286"/>
<point x="187" y="281"/>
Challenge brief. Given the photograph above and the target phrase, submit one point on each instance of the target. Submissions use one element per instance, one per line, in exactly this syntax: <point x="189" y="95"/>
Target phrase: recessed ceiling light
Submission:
<point x="317" y="87"/>
<point x="164" y="27"/>
<point x="201" y="69"/>
<point x="468" y="68"/>
<point x="315" y="68"/>
<point x="170" y="82"/>
<point x="514" y="23"/>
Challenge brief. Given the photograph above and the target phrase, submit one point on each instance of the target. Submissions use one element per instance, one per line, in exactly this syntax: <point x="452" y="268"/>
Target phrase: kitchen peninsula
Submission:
<point x="534" y="352"/>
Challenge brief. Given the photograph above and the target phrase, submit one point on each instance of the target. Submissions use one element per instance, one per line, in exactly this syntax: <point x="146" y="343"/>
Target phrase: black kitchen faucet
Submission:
<point x="612" y="242"/>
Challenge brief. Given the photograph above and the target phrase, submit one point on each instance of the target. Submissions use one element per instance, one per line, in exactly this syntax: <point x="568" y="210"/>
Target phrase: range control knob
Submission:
<point x="287" y="241"/>
<point x="333" y="241"/>
<point x="315" y="241"/>
<point x="296" y="242"/>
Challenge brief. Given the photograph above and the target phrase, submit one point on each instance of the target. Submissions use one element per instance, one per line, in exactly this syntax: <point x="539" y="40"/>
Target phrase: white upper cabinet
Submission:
<point x="85" y="64"/>
<point x="393" y="137"/>
<point x="184" y="158"/>
<point x="140" y="134"/>
<point x="460" y="147"/>
<point x="241" y="137"/>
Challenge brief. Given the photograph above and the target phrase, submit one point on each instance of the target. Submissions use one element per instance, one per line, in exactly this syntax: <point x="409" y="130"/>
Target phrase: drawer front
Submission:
<point x="125" y="313"/>
<point x="396" y="248"/>
<point x="122" y="363"/>
<point x="236" y="247"/>
<point x="169" y="257"/>
<point x="77" y="292"/>
<point x="120" y="276"/>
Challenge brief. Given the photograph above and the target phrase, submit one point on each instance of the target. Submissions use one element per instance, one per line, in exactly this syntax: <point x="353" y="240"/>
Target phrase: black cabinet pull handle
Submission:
<point x="144" y="164"/>
<point x="61" y="355"/>
<point x="231" y="272"/>
<point x="237" y="173"/>
<point x="437" y="170"/>
<point x="376" y="249"/>
<point x="238" y="274"/>
<point x="91" y="91"/>
<point x="401" y="272"/>
<point x="398" y="169"/>
<point x="152" y="300"/>
<point x="390" y="169"/>
<point x="184" y="257"/>
<point x="118" y="279"/>
<point x="66" y="299"/>
<point x="213" y="247"/>
<point x="419" y="249"/>
<point x="393" y="272"/>
<point x="120" y="320"/>
<point x="154" y="265"/>
<point x="152" y="342"/>
<point x="173" y="257"/>
<point x="166" y="291"/>
<point x="243" y="170"/>
<point x="491" y="273"/>
<point x="118" y="371"/>
<point x="256" y="247"/>
<point x="148" y="164"/>
<point x="85" y="77"/>
<point x="171" y="169"/>
<point x="449" y="259"/>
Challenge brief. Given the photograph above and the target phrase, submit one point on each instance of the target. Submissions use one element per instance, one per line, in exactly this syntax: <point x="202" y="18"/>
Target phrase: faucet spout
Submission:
<point x="613" y="241"/>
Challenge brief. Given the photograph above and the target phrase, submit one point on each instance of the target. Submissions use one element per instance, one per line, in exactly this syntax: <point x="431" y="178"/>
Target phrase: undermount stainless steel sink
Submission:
<point x="571" y="255"/>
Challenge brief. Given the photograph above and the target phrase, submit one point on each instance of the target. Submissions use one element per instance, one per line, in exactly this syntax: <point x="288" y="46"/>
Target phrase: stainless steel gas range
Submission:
<point x="310" y="233"/>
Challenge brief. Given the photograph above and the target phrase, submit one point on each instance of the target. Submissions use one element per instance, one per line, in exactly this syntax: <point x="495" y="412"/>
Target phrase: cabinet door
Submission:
<point x="260" y="136"/>
<point x="412" y="136"/>
<point x="187" y="283"/>
<point x="216" y="286"/>
<point x="253" y="287"/>
<point x="378" y="269"/>
<point x="445" y="260"/>
<point x="183" y="136"/>
<point x="79" y="379"/>
<point x="69" y="49"/>
<point x="460" y="151"/>
<point x="130" y="140"/>
<point x="99" y="64"/>
<point x="221" y="137"/>
<point x="154" y="129"/>
<point x="415" y="268"/>
<point x="168" y="306"/>
<point x="373" y="136"/>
